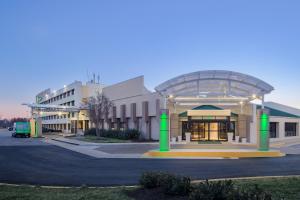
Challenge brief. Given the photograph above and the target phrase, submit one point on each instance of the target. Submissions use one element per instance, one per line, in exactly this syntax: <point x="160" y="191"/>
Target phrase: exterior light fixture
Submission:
<point x="171" y="96"/>
<point x="241" y="102"/>
<point x="254" y="96"/>
<point x="59" y="113"/>
<point x="65" y="86"/>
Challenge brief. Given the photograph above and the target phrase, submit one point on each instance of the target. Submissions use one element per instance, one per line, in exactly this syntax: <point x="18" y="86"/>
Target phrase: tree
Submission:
<point x="99" y="108"/>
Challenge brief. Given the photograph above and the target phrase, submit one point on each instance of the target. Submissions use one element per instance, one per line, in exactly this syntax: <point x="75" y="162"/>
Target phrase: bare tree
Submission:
<point x="99" y="108"/>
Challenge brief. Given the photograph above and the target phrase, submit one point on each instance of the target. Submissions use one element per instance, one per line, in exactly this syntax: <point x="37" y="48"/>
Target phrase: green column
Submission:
<point x="164" y="132"/>
<point x="264" y="131"/>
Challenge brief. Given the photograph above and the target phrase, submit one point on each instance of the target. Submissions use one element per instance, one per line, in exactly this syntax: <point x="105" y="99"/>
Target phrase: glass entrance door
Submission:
<point x="199" y="131"/>
<point x="212" y="131"/>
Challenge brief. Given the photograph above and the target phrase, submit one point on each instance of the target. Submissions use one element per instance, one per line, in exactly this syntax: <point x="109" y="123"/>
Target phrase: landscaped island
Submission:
<point x="279" y="188"/>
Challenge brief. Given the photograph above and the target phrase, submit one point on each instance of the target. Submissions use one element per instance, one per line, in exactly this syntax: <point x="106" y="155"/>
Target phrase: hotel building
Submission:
<point x="207" y="104"/>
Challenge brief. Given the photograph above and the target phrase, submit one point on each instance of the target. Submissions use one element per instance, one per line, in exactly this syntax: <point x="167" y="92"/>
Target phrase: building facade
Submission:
<point x="73" y="96"/>
<point x="209" y="105"/>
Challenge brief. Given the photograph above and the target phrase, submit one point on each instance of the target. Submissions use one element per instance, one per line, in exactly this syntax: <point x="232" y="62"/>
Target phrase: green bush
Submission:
<point x="150" y="180"/>
<point x="175" y="185"/>
<point x="129" y="134"/>
<point x="91" y="131"/>
<point x="170" y="184"/>
<point x="251" y="193"/>
<point x="214" y="190"/>
<point x="225" y="190"/>
<point x="220" y="190"/>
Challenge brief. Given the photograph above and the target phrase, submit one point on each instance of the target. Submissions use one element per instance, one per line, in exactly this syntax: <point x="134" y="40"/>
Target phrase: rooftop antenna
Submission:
<point x="88" y="74"/>
<point x="94" y="78"/>
<point x="98" y="77"/>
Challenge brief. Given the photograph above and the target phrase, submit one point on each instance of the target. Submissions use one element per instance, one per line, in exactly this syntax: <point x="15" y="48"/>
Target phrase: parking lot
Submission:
<point x="7" y="140"/>
<point x="31" y="161"/>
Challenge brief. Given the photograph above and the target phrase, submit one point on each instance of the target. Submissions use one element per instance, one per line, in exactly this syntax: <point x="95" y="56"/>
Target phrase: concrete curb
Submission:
<point x="67" y="142"/>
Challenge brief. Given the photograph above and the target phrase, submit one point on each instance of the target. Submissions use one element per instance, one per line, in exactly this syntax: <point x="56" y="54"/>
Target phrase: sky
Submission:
<point x="49" y="43"/>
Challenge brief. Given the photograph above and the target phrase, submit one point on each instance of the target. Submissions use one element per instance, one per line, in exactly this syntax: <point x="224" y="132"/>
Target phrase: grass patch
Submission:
<point x="281" y="188"/>
<point x="95" y="139"/>
<point x="40" y="193"/>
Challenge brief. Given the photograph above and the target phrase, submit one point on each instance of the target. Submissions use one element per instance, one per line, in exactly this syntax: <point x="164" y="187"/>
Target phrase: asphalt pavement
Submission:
<point x="42" y="164"/>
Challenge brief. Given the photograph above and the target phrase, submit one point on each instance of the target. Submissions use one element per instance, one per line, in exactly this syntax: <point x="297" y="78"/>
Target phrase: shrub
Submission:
<point x="251" y="193"/>
<point x="91" y="132"/>
<point x="220" y="190"/>
<point x="150" y="180"/>
<point x="175" y="185"/>
<point x="170" y="184"/>
<point x="225" y="190"/>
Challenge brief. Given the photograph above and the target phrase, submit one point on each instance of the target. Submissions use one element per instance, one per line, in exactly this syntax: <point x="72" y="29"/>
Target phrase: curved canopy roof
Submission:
<point x="214" y="84"/>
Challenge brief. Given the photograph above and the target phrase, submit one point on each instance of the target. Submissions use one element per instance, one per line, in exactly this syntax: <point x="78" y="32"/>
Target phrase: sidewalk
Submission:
<point x="89" y="150"/>
<point x="111" y="150"/>
<point x="139" y="150"/>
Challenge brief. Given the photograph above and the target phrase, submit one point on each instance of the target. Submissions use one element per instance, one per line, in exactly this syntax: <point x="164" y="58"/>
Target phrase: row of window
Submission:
<point x="63" y="116"/>
<point x="290" y="129"/>
<point x="59" y="97"/>
<point x="70" y="103"/>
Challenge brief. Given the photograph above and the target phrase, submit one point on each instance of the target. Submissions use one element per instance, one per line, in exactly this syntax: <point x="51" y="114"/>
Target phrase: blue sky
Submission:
<point x="51" y="43"/>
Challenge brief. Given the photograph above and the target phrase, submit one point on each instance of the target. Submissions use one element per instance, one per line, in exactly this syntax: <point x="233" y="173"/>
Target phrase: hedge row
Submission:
<point x="216" y="190"/>
<point x="129" y="134"/>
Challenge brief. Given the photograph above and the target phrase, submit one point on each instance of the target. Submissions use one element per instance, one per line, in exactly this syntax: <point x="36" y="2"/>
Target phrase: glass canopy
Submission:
<point x="215" y="84"/>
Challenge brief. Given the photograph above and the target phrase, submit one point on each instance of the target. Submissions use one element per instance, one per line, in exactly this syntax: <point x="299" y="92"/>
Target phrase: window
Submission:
<point x="68" y="93"/>
<point x="273" y="129"/>
<point x="73" y="103"/>
<point x="290" y="129"/>
<point x="72" y="91"/>
<point x="73" y="114"/>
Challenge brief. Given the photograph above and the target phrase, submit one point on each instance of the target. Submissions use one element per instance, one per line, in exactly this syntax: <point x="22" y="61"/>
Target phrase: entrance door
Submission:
<point x="205" y="131"/>
<point x="198" y="131"/>
<point x="213" y="131"/>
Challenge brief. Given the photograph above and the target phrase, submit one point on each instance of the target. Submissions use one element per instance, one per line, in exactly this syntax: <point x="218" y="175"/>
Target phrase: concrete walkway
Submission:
<point x="104" y="150"/>
<point x="138" y="150"/>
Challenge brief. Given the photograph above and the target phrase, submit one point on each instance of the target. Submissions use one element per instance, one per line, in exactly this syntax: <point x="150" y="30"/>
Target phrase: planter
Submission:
<point x="230" y="137"/>
<point x="244" y="140"/>
<point x="237" y="139"/>
<point x="179" y="138"/>
<point x="188" y="137"/>
<point x="173" y="139"/>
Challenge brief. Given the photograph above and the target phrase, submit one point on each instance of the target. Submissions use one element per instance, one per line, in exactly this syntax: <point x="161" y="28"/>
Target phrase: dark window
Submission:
<point x="185" y="129"/>
<point x="73" y="103"/>
<point x="72" y="91"/>
<point x="290" y="129"/>
<point x="273" y="130"/>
